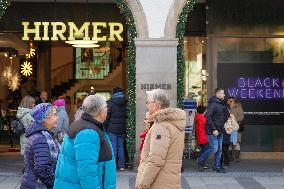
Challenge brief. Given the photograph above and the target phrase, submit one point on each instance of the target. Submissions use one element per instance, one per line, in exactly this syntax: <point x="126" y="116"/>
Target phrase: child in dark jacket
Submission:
<point x="202" y="139"/>
<point x="148" y="124"/>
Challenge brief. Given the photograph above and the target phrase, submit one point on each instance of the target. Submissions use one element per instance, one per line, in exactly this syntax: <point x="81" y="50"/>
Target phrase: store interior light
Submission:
<point x="86" y="46"/>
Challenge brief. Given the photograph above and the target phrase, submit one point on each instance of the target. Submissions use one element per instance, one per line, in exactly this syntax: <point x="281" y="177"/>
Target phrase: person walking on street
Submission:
<point x="115" y="125"/>
<point x="238" y="112"/>
<point x="225" y="158"/>
<point x="162" y="151"/>
<point x="86" y="158"/>
<point x="43" y="98"/>
<point x="23" y="113"/>
<point x="147" y="125"/>
<point x="41" y="150"/>
<point x="202" y="139"/>
<point x="215" y="128"/>
<point x="63" y="120"/>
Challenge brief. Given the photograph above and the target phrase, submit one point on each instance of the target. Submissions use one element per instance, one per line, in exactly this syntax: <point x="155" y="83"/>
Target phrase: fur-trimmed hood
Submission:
<point x="175" y="116"/>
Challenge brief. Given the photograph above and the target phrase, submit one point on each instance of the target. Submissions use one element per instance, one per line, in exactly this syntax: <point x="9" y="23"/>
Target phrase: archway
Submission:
<point x="137" y="27"/>
<point x="175" y="28"/>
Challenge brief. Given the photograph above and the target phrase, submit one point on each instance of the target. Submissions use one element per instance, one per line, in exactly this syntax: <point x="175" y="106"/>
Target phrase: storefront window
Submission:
<point x="195" y="69"/>
<point x="250" y="50"/>
<point x="251" y="69"/>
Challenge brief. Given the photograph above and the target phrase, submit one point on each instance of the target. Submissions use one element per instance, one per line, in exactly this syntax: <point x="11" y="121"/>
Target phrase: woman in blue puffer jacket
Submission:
<point x="41" y="150"/>
<point x="86" y="158"/>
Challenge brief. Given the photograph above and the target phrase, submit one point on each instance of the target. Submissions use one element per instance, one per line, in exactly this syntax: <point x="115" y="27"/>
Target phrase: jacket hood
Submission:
<point x="60" y="108"/>
<point x="199" y="116"/>
<point x="175" y="116"/>
<point x="119" y="99"/>
<point x="22" y="111"/>
<point x="85" y="122"/>
<point x="214" y="99"/>
<point x="35" y="127"/>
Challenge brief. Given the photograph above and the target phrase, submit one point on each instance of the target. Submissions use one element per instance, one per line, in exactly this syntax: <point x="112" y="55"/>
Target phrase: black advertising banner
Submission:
<point x="259" y="87"/>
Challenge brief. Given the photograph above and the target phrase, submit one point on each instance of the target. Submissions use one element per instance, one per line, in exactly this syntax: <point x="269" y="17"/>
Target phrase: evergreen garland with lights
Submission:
<point x="180" y="51"/>
<point x="131" y="92"/>
<point x="3" y="6"/>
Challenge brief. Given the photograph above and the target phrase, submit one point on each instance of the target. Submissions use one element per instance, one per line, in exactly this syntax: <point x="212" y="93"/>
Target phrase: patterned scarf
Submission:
<point x="53" y="149"/>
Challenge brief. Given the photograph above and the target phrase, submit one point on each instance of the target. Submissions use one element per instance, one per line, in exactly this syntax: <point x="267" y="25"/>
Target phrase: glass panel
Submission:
<point x="269" y="138"/>
<point x="106" y="94"/>
<point x="97" y="63"/>
<point x="237" y="58"/>
<point x="195" y="69"/>
<point x="250" y="50"/>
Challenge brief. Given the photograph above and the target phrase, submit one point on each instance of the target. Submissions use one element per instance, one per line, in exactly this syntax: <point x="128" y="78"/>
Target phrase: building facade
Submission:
<point x="232" y="44"/>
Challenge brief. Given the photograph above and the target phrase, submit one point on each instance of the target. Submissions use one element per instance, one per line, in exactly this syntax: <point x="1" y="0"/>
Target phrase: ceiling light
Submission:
<point x="81" y="42"/>
<point x="86" y="46"/>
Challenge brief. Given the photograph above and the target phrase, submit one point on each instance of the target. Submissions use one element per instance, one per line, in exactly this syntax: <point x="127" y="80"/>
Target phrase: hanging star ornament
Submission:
<point x="26" y="68"/>
<point x="31" y="53"/>
<point x="14" y="83"/>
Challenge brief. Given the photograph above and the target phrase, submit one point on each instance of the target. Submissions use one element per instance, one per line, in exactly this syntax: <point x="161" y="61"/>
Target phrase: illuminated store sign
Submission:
<point x="258" y="88"/>
<point x="60" y="30"/>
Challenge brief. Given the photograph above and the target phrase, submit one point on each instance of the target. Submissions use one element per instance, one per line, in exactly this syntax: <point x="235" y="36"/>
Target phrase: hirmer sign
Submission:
<point x="59" y="30"/>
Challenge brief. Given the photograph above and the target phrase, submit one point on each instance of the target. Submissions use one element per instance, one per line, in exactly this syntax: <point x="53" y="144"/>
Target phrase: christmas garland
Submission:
<point x="3" y="6"/>
<point x="180" y="51"/>
<point x="131" y="92"/>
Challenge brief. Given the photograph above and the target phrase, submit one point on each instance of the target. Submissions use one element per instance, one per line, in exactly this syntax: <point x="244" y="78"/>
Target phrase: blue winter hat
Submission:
<point x="116" y="90"/>
<point x="41" y="111"/>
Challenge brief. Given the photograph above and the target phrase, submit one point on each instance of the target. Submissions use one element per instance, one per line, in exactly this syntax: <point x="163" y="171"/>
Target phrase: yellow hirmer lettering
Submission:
<point x="27" y="31"/>
<point x="114" y="32"/>
<point x="73" y="29"/>
<point x="54" y="31"/>
<point x="45" y="31"/>
<point x="97" y="31"/>
<point x="58" y="32"/>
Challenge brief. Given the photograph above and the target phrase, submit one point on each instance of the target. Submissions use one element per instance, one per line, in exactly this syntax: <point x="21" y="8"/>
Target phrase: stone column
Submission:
<point x="43" y="67"/>
<point x="156" y="67"/>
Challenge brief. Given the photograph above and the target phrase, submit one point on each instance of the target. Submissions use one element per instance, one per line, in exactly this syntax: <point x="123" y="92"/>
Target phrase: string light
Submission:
<point x="131" y="92"/>
<point x="180" y="51"/>
<point x="3" y="6"/>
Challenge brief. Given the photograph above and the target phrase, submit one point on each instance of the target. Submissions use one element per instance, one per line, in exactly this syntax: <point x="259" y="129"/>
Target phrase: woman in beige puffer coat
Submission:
<point x="162" y="152"/>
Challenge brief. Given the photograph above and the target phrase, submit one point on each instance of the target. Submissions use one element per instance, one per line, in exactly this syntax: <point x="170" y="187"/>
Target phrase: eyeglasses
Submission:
<point x="149" y="102"/>
<point x="52" y="115"/>
<point x="105" y="107"/>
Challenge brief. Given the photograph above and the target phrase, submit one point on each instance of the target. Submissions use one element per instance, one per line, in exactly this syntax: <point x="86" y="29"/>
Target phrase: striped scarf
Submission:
<point x="53" y="147"/>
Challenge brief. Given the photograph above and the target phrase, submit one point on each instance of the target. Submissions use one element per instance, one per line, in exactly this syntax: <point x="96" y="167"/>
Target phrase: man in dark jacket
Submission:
<point x="43" y="98"/>
<point x="115" y="124"/>
<point x="214" y="128"/>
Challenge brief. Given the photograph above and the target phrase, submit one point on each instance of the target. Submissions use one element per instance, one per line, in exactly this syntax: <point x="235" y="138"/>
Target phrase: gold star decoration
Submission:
<point x="26" y="68"/>
<point x="14" y="83"/>
<point x="31" y="53"/>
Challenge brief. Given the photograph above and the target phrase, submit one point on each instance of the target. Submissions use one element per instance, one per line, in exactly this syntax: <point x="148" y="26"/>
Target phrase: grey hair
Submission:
<point x="27" y="102"/>
<point x="93" y="104"/>
<point x="159" y="95"/>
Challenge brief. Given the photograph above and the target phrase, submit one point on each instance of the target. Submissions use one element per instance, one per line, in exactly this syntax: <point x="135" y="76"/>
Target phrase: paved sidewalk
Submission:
<point x="247" y="174"/>
<point x="189" y="181"/>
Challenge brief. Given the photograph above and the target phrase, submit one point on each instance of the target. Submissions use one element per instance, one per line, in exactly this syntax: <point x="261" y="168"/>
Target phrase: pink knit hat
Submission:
<point x="59" y="102"/>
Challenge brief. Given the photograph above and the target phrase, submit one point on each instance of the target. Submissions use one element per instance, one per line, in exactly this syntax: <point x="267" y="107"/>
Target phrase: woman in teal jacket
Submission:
<point x="86" y="158"/>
